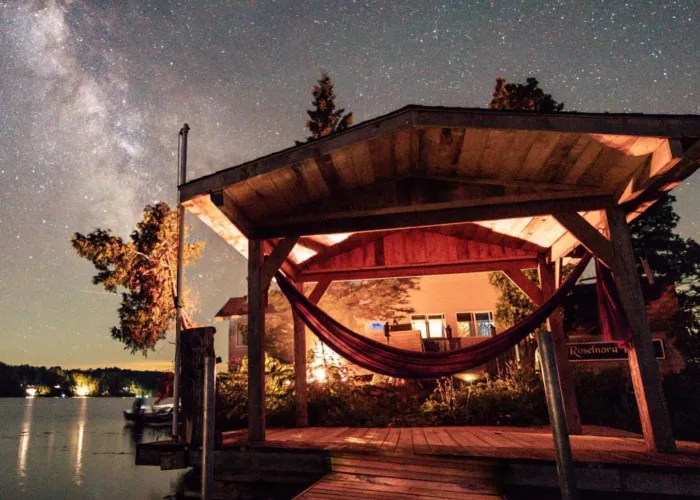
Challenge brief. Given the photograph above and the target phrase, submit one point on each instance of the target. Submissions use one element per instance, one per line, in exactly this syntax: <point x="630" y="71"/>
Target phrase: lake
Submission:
<point x="75" y="448"/>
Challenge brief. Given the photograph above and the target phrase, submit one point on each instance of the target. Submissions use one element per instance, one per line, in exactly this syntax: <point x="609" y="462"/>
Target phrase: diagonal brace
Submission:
<point x="588" y="235"/>
<point x="276" y="259"/>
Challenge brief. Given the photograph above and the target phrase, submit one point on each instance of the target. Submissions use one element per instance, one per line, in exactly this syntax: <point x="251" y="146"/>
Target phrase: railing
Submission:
<point x="441" y="344"/>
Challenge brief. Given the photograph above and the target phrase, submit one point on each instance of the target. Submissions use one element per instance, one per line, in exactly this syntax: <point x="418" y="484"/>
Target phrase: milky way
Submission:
<point x="93" y="95"/>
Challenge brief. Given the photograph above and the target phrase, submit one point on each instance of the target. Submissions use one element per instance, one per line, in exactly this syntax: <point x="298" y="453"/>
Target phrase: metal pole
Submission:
<point x="555" y="406"/>
<point x="208" y="431"/>
<point x="181" y="178"/>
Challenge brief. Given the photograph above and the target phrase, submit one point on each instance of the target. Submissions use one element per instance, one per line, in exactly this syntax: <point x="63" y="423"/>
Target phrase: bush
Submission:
<point x="232" y="395"/>
<point x="607" y="399"/>
<point x="517" y="399"/>
<point x="681" y="390"/>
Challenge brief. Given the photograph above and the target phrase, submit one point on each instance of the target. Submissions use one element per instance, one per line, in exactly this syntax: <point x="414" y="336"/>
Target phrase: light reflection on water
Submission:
<point x="24" y="438"/>
<point x="82" y="419"/>
<point x="75" y="448"/>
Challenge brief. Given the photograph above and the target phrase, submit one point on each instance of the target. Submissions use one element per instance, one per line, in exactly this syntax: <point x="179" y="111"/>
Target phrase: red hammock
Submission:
<point x="613" y="321"/>
<point x="401" y="363"/>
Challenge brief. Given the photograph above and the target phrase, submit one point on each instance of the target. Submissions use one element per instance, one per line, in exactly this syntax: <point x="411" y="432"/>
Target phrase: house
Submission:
<point x="453" y="310"/>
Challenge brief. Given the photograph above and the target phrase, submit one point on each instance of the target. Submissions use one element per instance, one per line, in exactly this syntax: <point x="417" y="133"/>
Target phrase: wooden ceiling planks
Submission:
<point x="540" y="151"/>
<point x="473" y="148"/>
<point x="462" y="161"/>
<point x="342" y="161"/>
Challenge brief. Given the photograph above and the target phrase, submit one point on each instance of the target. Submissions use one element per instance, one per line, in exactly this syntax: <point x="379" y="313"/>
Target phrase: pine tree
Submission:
<point x="146" y="268"/>
<point x="324" y="119"/>
<point x="519" y="97"/>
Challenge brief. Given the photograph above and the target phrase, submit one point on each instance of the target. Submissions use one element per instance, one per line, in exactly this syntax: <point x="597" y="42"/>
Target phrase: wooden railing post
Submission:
<point x="196" y="343"/>
<point x="301" y="397"/>
<point x="256" y="342"/>
<point x="644" y="369"/>
<point x="555" y="323"/>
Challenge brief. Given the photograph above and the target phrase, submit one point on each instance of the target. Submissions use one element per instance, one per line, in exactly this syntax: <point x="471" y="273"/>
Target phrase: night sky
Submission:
<point x="93" y="94"/>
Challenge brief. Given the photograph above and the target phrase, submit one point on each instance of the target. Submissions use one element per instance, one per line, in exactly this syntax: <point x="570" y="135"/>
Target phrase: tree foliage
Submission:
<point x="146" y="267"/>
<point x="523" y="97"/>
<point x="674" y="260"/>
<point x="324" y="119"/>
<point x="350" y="302"/>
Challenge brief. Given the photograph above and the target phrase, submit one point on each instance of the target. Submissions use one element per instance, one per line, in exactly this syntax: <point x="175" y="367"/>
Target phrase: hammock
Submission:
<point x="613" y="321"/>
<point x="401" y="363"/>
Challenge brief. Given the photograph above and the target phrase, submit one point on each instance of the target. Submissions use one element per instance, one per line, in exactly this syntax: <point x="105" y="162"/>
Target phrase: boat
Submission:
<point x="141" y="414"/>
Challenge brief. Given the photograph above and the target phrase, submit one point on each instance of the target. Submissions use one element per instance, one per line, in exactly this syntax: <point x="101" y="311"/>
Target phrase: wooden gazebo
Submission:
<point x="429" y="190"/>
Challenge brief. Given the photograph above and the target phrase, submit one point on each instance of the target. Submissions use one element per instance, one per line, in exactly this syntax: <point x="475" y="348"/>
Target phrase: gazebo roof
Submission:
<point x="486" y="180"/>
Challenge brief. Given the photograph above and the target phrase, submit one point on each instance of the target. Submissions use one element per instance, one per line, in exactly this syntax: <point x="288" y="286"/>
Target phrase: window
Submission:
<point x="464" y="325"/>
<point x="430" y="326"/>
<point x="475" y="324"/>
<point x="239" y="328"/>
<point x="484" y="321"/>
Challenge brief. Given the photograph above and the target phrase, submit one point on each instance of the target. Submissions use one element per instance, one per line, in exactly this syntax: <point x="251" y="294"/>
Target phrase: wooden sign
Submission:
<point x="606" y="351"/>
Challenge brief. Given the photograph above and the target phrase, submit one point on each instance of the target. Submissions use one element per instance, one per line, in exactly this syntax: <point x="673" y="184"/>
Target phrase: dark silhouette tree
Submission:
<point x="324" y="119"/>
<point x="519" y="97"/>
<point x="146" y="268"/>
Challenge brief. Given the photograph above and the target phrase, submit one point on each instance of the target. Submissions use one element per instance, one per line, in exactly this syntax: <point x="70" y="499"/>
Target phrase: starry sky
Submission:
<point x="93" y="94"/>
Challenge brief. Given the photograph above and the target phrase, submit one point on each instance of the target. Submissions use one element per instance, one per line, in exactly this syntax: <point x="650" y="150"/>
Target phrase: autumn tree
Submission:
<point x="145" y="268"/>
<point x="352" y="303"/>
<point x="523" y="97"/>
<point x="324" y="119"/>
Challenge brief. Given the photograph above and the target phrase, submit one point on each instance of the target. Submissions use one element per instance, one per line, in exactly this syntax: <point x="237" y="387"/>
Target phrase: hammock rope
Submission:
<point x="401" y="363"/>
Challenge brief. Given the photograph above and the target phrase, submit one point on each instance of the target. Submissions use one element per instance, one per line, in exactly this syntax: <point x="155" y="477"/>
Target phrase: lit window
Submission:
<point x="239" y="328"/>
<point x="430" y="326"/>
<point x="464" y="324"/>
<point x="475" y="324"/>
<point x="419" y="323"/>
<point x="484" y="322"/>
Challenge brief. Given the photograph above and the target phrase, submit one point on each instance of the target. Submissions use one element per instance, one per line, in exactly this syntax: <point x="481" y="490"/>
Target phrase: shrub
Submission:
<point x="517" y="399"/>
<point x="232" y="395"/>
<point x="607" y="399"/>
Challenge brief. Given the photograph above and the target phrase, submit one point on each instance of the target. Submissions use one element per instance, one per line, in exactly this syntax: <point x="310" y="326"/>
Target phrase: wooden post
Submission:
<point x="256" y="342"/>
<point x="301" y="398"/>
<point x="549" y="282"/>
<point x="644" y="369"/>
<point x="555" y="407"/>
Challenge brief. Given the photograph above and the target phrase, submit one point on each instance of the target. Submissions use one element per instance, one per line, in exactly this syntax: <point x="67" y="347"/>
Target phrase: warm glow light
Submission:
<point x="31" y="392"/>
<point x="467" y="377"/>
<point x="319" y="374"/>
<point x="81" y="390"/>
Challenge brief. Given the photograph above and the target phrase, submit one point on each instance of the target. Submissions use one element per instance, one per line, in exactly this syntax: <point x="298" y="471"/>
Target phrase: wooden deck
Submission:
<point x="597" y="446"/>
<point x="434" y="462"/>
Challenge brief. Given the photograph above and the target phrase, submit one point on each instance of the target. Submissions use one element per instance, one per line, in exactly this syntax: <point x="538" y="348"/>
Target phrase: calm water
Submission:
<point x="75" y="448"/>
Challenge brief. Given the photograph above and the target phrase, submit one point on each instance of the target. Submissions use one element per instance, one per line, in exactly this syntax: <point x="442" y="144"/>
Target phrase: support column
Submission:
<point x="550" y="281"/>
<point x="555" y="407"/>
<point x="644" y="369"/>
<point x="256" y="342"/>
<point x="300" y="397"/>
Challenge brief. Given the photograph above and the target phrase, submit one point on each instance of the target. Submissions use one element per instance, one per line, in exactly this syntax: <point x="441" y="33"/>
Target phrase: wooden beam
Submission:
<point x="419" y="116"/>
<point x="416" y="270"/>
<point x="470" y="232"/>
<point x="300" y="395"/>
<point x="526" y="285"/>
<point x="644" y="368"/>
<point x="312" y="244"/>
<point x="319" y="290"/>
<point x="432" y="214"/>
<point x="353" y="241"/>
<point x="589" y="237"/>
<point x="549" y="274"/>
<point x="256" y="342"/>
<point x="276" y="258"/>
<point x="232" y="212"/>
<point x="534" y="185"/>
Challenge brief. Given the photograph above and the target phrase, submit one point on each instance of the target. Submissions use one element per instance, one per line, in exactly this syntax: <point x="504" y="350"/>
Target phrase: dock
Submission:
<point x="436" y="462"/>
